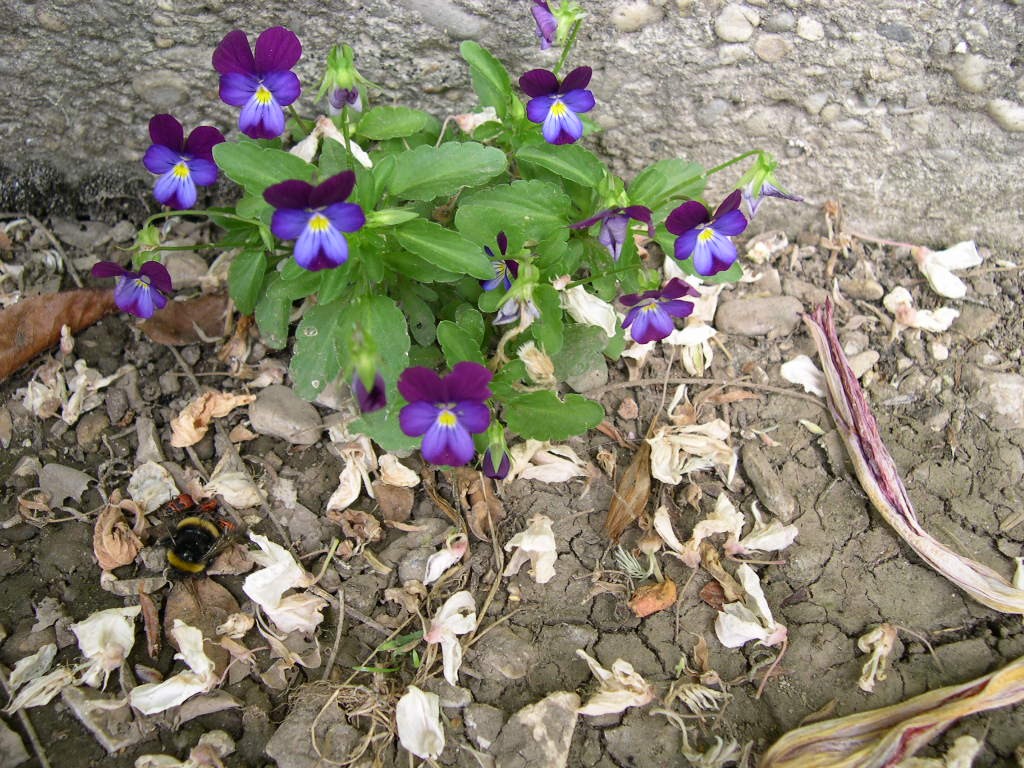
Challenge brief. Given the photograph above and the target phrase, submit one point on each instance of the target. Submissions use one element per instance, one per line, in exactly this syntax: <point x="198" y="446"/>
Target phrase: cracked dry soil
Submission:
<point x="846" y="572"/>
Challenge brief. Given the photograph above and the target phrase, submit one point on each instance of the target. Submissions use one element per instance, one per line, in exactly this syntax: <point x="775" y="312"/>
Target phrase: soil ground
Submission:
<point x="846" y="572"/>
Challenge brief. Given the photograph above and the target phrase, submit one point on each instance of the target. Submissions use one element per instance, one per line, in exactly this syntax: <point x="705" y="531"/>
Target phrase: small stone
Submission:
<point x="161" y="89"/>
<point x="766" y="481"/>
<point x="806" y="292"/>
<point x="862" y="288"/>
<point x="451" y="696"/>
<point x="810" y="29"/>
<point x="12" y="748"/>
<point x="503" y="651"/>
<point x="733" y="24"/>
<point x="483" y="723"/>
<point x="117" y="404"/>
<point x="279" y="412"/>
<point x="632" y="17"/>
<point x="975" y="321"/>
<point x="1008" y="114"/>
<point x="89" y="429"/>
<point x="186" y="269"/>
<point x="291" y="745"/>
<point x="780" y="22"/>
<point x="998" y="398"/>
<point x="969" y="72"/>
<point x="863" y="362"/>
<point x="170" y="383"/>
<point x="830" y="113"/>
<point x="770" y="316"/>
<point x="899" y="33"/>
<point x="772" y="48"/>
<point x="539" y="734"/>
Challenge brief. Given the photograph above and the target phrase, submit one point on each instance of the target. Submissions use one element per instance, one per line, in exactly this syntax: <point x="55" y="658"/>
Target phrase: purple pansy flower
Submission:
<point x="315" y="217"/>
<point x="445" y="411"/>
<point x="556" y="106"/>
<point x="652" y="313"/>
<point x="706" y="237"/>
<point x="339" y="98"/>
<point x="505" y="270"/>
<point x="373" y="399"/>
<point x="262" y="84"/>
<point x="614" y="224"/>
<point x="182" y="164"/>
<point x="547" y="24"/>
<point x="138" y="293"/>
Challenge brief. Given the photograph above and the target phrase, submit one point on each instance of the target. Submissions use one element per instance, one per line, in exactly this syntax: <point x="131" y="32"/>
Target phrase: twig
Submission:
<point x="33" y="739"/>
<point x="337" y="635"/>
<point x="595" y="393"/>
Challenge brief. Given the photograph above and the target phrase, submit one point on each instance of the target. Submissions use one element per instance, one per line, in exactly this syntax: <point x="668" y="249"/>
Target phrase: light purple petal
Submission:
<point x="178" y="192"/>
<point x="474" y="416"/>
<point x="332" y="190"/>
<point x="538" y="82"/>
<point x="651" y="324"/>
<point x="289" y="223"/>
<point x="417" y="417"/>
<point x="731" y="223"/>
<point x="419" y="383"/>
<point x="202" y="140"/>
<point x="631" y="315"/>
<point x="160" y="159"/>
<point x="685" y="244"/>
<point x="686" y="217"/>
<point x="448" y="446"/>
<point x="277" y="48"/>
<point x="563" y="129"/>
<point x="166" y="130"/>
<point x="575" y="80"/>
<point x="233" y="55"/>
<point x="346" y="217"/>
<point x="261" y="121"/>
<point x="467" y="381"/>
<point x="204" y="172"/>
<point x="158" y="276"/>
<point x="237" y="88"/>
<point x="731" y="203"/>
<point x="579" y="101"/>
<point x="714" y="255"/>
<point x="321" y="249"/>
<point x="547" y="26"/>
<point x="770" y="190"/>
<point x="613" y="235"/>
<point x="289" y="194"/>
<point x="136" y="297"/>
<point x="104" y="269"/>
<point x="538" y="109"/>
<point x="284" y="85"/>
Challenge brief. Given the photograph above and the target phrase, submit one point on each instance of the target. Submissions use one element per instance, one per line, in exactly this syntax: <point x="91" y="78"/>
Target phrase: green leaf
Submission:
<point x="381" y="320"/>
<point x="294" y="285"/>
<point x="383" y="428"/>
<point x="538" y="209"/>
<point x="673" y="178"/>
<point x="421" y="318"/>
<point x="316" y="360"/>
<point x="457" y="344"/>
<point x="334" y="284"/>
<point x="272" y="313"/>
<point x="490" y="80"/>
<point x="428" y="172"/>
<point x="542" y="416"/>
<point x="504" y="381"/>
<point x="412" y="266"/>
<point x="333" y="158"/>
<point x="581" y="351"/>
<point x="382" y="123"/>
<point x="570" y="161"/>
<point x="547" y="330"/>
<point x="245" y="279"/>
<point x="256" y="168"/>
<point x="444" y="248"/>
<point x="389" y="217"/>
<point x="471" y="321"/>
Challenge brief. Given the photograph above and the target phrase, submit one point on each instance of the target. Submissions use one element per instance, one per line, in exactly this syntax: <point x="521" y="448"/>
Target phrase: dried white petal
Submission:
<point x="663" y="527"/>
<point x="588" y="309"/>
<point x="31" y="667"/>
<point x="470" y="122"/>
<point x="231" y="481"/>
<point x="938" y="267"/>
<point x="547" y="463"/>
<point x="802" y="370"/>
<point x="236" y="625"/>
<point x="696" y="352"/>
<point x="297" y="612"/>
<point x="105" y="639"/>
<point x="679" y="450"/>
<point x="539" y="366"/>
<point x="394" y="472"/>
<point x="41" y="690"/>
<point x="150" y="486"/>
<point x="453" y="551"/>
<point x="157" y="697"/>
<point x="878" y="642"/>
<point x="900" y="303"/>
<point x="739" y="623"/>
<point x="535" y="545"/>
<point x="280" y="573"/>
<point x="620" y="688"/>
<point x="456" y="617"/>
<point x="330" y="131"/>
<point x="418" y="717"/>
<point x="724" y="518"/>
<point x="765" y="537"/>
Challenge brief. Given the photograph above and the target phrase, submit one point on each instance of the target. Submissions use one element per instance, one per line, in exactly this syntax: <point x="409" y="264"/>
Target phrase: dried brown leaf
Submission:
<point x="651" y="598"/>
<point x="114" y="543"/>
<point x="205" y="605"/>
<point x="613" y="432"/>
<point x="701" y="655"/>
<point x="188" y="322"/>
<point x="358" y="525"/>
<point x="712" y="564"/>
<point x="713" y="594"/>
<point x="151" y="623"/>
<point x="485" y="509"/>
<point x="232" y="560"/>
<point x="189" y="427"/>
<point x="395" y="501"/>
<point x="631" y="494"/>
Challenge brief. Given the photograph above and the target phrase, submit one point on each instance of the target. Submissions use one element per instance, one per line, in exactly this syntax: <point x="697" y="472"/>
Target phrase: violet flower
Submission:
<point x="615" y="224"/>
<point x="652" y="313"/>
<point x="373" y="399"/>
<point x="315" y="217"/>
<point x="556" y="106"/>
<point x="706" y="237"/>
<point x="445" y="410"/>
<point x="547" y="24"/>
<point x="138" y="293"/>
<point x="182" y="164"/>
<point x="262" y="84"/>
<point x="505" y="270"/>
<point x="339" y="98"/>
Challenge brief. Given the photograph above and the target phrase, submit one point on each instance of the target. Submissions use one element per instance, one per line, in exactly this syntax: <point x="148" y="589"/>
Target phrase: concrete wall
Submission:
<point x="909" y="113"/>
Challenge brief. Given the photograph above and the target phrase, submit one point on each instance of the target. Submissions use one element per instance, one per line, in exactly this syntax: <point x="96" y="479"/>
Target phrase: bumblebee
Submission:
<point x="198" y="538"/>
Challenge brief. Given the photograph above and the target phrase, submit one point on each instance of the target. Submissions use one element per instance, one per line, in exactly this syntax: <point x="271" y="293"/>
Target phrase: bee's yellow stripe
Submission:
<point x="184" y="565"/>
<point x="200" y="522"/>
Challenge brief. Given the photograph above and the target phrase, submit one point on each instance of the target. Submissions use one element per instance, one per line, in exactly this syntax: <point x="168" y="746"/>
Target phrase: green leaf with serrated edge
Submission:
<point x="382" y="123"/>
<point x="428" y="172"/>
<point x="333" y="158"/>
<point x="256" y="168"/>
<point x="615" y="345"/>
<point x="490" y="79"/>
<point x="381" y="319"/>
<point x="316" y="359"/>
<point x="383" y="428"/>
<point x="542" y="416"/>
<point x="672" y="178"/>
<point x="504" y="381"/>
<point x="334" y="284"/>
<point x="538" y="209"/>
<point x="444" y="248"/>
<point x="272" y="315"/>
<point x="422" y="324"/>
<point x="489" y="301"/>
<point x="245" y="279"/>
<point x="570" y="161"/>
<point x="547" y="329"/>
<point x="582" y="351"/>
<point x="298" y="287"/>
<point x="471" y="321"/>
<point x="457" y="344"/>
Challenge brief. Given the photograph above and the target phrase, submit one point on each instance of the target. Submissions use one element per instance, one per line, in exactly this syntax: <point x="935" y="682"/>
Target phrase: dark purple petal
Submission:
<point x="685" y="244"/>
<point x="474" y="416"/>
<point x="289" y="223"/>
<point x="332" y="190"/>
<point x="600" y="216"/>
<point x="317" y="248"/>
<point x="167" y="131"/>
<point x="731" y="223"/>
<point x="731" y="203"/>
<point x="537" y="110"/>
<point x="237" y="88"/>
<point x="261" y="119"/>
<point x="628" y="300"/>
<point x="467" y="381"/>
<point x="160" y="159"/>
<point x="345" y="97"/>
<point x="284" y="85"/>
<point x="641" y="213"/>
<point x="277" y="48"/>
<point x="512" y="266"/>
<point x="579" y="101"/>
<point x="677" y="307"/>
<point x="346" y="217"/>
<point x="677" y="288"/>
<point x="289" y="194"/>
<point x="687" y="216"/>
<point x="613" y="235"/>
<point x="539" y="82"/>
<point x="547" y="26"/>
<point x="502" y="243"/>
<point x="103" y="269"/>
<point x="448" y="446"/>
<point x="158" y="276"/>
<point x="496" y="473"/>
<point x="234" y="55"/>
<point x="575" y="80"/>
<point x="373" y="399"/>
<point x="419" y="383"/>
<point x="202" y="140"/>
<point x="204" y="172"/>
<point x="177" y="190"/>
<point x="416" y="418"/>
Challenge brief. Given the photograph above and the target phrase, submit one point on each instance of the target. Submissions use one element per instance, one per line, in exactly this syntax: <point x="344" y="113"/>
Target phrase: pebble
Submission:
<point x="117" y="404"/>
<point x="780" y="22"/>
<point x="808" y="293"/>
<point x="1008" y="114"/>
<point x="862" y="288"/>
<point x="186" y="269"/>
<point x="969" y="72"/>
<point x="279" y="412"/>
<point x="772" y="48"/>
<point x="632" y="17"/>
<point x="996" y="397"/>
<point x="539" y="734"/>
<point x="975" y="321"/>
<point x="863" y="362"/>
<point x="483" y="724"/>
<point x="11" y="747"/>
<point x="290" y="746"/>
<point x="767" y="483"/>
<point x="768" y="316"/>
<point x="810" y="29"/>
<point x="453" y="696"/>
<point x="734" y="24"/>
<point x="89" y="429"/>
<point x="503" y="651"/>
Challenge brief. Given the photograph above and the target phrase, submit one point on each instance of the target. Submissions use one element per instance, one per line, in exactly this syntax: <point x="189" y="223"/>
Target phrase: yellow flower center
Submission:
<point x="180" y="171"/>
<point x="142" y="282"/>
<point x="649" y="307"/>
<point x="558" y="109"/>
<point x="706" y="234"/>
<point x="447" y="419"/>
<point x="263" y="96"/>
<point x="319" y="223"/>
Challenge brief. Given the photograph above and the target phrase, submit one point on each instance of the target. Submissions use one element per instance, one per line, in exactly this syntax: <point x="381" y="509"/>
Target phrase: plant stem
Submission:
<point x="302" y="123"/>
<point x="567" y="47"/>
<point x="344" y="129"/>
<point x="727" y="163"/>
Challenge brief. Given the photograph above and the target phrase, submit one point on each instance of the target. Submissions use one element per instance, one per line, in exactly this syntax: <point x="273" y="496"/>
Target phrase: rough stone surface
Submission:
<point x="997" y="397"/>
<point x="766" y="316"/>
<point x="539" y="734"/>
<point x="923" y="96"/>
<point x="279" y="412"/>
<point x="766" y="481"/>
<point x="12" y="750"/>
